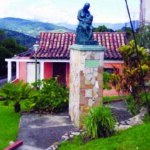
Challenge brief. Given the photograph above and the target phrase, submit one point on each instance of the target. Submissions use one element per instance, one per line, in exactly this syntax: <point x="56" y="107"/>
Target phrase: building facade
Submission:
<point x="53" y="56"/>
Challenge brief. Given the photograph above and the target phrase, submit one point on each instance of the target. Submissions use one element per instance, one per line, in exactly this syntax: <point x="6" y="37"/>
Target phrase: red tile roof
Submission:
<point x="56" y="45"/>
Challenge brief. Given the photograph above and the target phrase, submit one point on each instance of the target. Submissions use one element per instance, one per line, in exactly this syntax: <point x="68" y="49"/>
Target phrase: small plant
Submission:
<point x="15" y="93"/>
<point x="52" y="97"/>
<point x="146" y="101"/>
<point x="106" y="80"/>
<point x="99" y="122"/>
<point x="132" y="107"/>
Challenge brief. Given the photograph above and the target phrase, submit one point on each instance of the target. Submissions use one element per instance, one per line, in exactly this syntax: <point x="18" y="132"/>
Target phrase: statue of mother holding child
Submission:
<point x="84" y="31"/>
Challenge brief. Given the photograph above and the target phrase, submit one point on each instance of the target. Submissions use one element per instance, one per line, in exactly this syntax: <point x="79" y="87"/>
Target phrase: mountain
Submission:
<point x="33" y="28"/>
<point x="21" y="38"/>
<point x="67" y="25"/>
<point x="115" y="26"/>
<point x="28" y="27"/>
<point x="118" y="26"/>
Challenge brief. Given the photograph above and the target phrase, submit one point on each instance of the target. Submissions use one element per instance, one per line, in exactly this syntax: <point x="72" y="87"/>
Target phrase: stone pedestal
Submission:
<point x="86" y="79"/>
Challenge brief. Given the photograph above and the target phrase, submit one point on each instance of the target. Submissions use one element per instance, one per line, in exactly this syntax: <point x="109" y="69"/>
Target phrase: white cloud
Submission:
<point x="66" y="10"/>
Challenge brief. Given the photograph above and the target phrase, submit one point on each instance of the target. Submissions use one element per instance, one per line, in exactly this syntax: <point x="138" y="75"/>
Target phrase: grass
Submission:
<point x="9" y="121"/>
<point x="112" y="98"/>
<point x="136" y="138"/>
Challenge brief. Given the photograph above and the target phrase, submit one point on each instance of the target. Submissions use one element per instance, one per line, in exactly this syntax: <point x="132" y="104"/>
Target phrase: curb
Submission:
<point x="14" y="146"/>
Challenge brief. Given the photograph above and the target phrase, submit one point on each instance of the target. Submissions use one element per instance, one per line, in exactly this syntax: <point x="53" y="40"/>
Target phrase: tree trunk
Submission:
<point x="17" y="107"/>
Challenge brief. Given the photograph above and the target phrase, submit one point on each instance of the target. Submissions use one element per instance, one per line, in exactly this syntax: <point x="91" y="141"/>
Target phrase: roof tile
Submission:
<point x="56" y="45"/>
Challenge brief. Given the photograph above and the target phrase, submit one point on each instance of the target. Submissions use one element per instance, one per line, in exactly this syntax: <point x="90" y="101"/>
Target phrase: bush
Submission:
<point x="99" y="122"/>
<point x="11" y="91"/>
<point x="132" y="106"/>
<point x="146" y="99"/>
<point x="14" y="93"/>
<point x="52" y="97"/>
<point x="106" y="80"/>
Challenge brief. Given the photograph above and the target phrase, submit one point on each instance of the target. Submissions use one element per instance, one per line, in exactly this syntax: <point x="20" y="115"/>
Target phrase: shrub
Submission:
<point x="99" y="122"/>
<point x="14" y="93"/>
<point x="106" y="80"/>
<point x="134" y="75"/>
<point x="146" y="99"/>
<point x="52" y="97"/>
<point x="132" y="106"/>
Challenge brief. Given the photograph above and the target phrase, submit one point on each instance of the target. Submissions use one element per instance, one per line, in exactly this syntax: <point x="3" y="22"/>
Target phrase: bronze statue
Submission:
<point x="84" y="31"/>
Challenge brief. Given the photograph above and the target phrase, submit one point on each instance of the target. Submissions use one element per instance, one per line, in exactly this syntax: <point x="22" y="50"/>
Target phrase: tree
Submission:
<point x="135" y="70"/>
<point x="8" y="48"/>
<point x="4" y="53"/>
<point x="143" y="36"/>
<point x="102" y="28"/>
<point x="2" y="35"/>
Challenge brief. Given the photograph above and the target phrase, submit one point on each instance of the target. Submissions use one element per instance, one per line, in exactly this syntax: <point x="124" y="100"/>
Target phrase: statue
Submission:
<point x="84" y="31"/>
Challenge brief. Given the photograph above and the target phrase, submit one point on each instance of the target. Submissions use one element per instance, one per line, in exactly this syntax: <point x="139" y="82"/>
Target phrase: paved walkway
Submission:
<point x="38" y="132"/>
<point x="119" y="109"/>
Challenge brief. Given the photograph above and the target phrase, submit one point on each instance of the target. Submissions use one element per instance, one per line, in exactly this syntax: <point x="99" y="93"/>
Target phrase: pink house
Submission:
<point x="53" y="56"/>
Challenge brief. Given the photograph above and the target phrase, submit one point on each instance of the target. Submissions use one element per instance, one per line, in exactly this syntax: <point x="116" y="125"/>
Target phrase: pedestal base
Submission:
<point x="86" y="80"/>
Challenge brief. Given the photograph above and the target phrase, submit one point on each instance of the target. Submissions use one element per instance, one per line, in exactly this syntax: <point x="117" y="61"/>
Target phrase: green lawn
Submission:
<point x="136" y="138"/>
<point x="112" y="98"/>
<point x="9" y="121"/>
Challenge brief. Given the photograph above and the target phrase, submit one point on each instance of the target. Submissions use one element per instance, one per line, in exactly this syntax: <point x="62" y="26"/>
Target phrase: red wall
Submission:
<point x="48" y="67"/>
<point x="67" y="73"/>
<point x="23" y="71"/>
<point x="111" y="92"/>
<point x="117" y="65"/>
<point x="48" y="70"/>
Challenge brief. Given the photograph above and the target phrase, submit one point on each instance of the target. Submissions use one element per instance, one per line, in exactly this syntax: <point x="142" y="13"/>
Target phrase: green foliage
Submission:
<point x="4" y="53"/>
<point x="2" y="35"/>
<point x="143" y="36"/>
<point x="128" y="31"/>
<point x="112" y="98"/>
<point x="15" y="92"/>
<point x="102" y="28"/>
<point x="106" y="80"/>
<point x="132" y="106"/>
<point x="136" y="138"/>
<point x="8" y="48"/>
<point x="145" y="98"/>
<point x="135" y="71"/>
<point x="51" y="97"/>
<point x="99" y="122"/>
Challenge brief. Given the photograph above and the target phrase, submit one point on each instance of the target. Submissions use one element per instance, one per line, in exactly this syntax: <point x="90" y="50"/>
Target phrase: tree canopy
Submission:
<point x="103" y="28"/>
<point x="8" y="48"/>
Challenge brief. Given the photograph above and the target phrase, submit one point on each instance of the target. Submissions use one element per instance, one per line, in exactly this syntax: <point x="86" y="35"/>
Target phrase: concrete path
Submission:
<point x="119" y="109"/>
<point x="38" y="132"/>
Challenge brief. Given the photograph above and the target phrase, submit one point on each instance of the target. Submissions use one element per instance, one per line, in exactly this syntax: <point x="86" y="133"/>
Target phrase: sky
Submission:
<point x="57" y="11"/>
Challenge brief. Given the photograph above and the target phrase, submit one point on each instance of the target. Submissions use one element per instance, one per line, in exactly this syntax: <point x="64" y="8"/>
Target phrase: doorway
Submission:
<point x="59" y="69"/>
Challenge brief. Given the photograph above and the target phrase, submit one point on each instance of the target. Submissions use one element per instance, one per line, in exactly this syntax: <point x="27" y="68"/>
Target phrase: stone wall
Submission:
<point x="86" y="80"/>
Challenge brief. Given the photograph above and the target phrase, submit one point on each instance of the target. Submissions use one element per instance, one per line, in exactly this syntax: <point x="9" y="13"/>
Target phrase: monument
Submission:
<point x="86" y="68"/>
<point x="84" y="31"/>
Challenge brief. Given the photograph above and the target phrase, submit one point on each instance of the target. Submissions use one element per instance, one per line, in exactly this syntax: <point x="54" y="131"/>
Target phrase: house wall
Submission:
<point x="48" y="71"/>
<point x="111" y="65"/>
<point x="48" y="67"/>
<point x="111" y="92"/>
<point x="67" y="73"/>
<point x="23" y="71"/>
